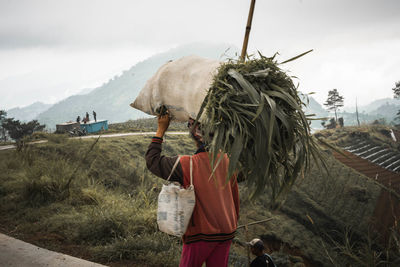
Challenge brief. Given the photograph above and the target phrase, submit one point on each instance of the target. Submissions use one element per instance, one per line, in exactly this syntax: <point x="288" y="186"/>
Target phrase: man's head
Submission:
<point x="195" y="132"/>
<point x="257" y="246"/>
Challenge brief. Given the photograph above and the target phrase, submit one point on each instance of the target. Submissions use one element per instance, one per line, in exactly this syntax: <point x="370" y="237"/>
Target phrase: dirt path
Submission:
<point x="16" y="253"/>
<point x="7" y="147"/>
<point x="102" y="136"/>
<point x="129" y="134"/>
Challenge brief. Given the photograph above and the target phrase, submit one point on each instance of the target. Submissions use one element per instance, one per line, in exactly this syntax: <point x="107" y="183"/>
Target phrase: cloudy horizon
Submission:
<point x="50" y="50"/>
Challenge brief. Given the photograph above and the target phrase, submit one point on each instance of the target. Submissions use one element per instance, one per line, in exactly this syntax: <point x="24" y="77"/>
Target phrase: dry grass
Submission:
<point x="110" y="211"/>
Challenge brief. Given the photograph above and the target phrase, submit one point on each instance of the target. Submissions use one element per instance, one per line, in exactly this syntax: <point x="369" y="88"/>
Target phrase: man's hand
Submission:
<point x="163" y="123"/>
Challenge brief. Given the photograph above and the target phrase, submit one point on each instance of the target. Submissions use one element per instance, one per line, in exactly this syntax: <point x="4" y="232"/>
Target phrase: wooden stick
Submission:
<point x="246" y="229"/>
<point x="266" y="220"/>
<point x="247" y="33"/>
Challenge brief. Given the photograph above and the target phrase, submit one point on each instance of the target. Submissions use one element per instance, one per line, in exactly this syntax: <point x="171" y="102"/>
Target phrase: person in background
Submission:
<point x="87" y="117"/>
<point x="214" y="220"/>
<point x="262" y="259"/>
<point x="94" y="116"/>
<point x="78" y="119"/>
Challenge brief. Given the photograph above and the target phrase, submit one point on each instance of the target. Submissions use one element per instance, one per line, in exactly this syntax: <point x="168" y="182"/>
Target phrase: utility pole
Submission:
<point x="358" y="121"/>
<point x="247" y="33"/>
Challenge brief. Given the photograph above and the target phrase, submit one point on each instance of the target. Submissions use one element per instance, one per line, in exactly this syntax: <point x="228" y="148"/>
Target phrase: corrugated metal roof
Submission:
<point x="387" y="209"/>
<point x="386" y="177"/>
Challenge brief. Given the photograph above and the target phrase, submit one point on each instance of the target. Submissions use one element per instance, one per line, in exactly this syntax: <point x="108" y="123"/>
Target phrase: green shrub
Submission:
<point x="43" y="191"/>
<point x="86" y="196"/>
<point x="99" y="230"/>
<point x="11" y="163"/>
<point x="155" y="249"/>
<point x="355" y="250"/>
<point x="57" y="138"/>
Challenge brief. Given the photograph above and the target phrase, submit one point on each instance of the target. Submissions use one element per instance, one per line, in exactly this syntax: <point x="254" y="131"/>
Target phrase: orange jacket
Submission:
<point x="216" y="211"/>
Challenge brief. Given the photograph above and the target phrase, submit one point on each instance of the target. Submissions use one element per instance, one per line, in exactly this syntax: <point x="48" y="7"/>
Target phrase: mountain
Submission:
<point x="28" y="113"/>
<point x="85" y="91"/>
<point x="111" y="100"/>
<point x="387" y="110"/>
<point x="374" y="105"/>
<point x="314" y="108"/>
<point x="383" y="110"/>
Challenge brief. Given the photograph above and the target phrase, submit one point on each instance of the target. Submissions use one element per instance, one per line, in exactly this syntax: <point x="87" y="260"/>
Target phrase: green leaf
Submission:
<point x="296" y="57"/>
<point x="253" y="111"/>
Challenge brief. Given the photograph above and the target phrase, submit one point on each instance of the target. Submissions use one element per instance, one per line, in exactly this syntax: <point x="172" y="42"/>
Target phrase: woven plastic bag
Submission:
<point x="180" y="86"/>
<point x="175" y="205"/>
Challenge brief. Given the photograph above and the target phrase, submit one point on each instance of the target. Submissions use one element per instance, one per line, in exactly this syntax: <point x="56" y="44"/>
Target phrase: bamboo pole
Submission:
<point x="358" y="121"/>
<point x="247" y="33"/>
<point x="257" y="222"/>
<point x="246" y="230"/>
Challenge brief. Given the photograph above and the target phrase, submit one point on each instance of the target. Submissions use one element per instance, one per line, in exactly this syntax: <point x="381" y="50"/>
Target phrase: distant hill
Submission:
<point x="28" y="113"/>
<point x="374" y="105"/>
<point x="379" y="109"/>
<point x="316" y="109"/>
<point x="85" y="91"/>
<point x="111" y="100"/>
<point x="387" y="111"/>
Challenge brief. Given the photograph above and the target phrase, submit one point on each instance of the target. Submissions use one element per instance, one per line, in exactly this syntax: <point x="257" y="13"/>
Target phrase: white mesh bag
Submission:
<point x="175" y="205"/>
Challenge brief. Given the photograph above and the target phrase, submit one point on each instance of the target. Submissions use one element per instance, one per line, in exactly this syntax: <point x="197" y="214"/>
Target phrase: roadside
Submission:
<point x="109" y="217"/>
<point x="6" y="147"/>
<point x="17" y="253"/>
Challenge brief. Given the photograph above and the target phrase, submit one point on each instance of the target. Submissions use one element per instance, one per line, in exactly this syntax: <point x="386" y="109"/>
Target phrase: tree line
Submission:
<point x="15" y="129"/>
<point x="335" y="101"/>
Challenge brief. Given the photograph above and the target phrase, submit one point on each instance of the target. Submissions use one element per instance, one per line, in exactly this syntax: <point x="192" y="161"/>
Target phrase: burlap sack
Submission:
<point x="180" y="85"/>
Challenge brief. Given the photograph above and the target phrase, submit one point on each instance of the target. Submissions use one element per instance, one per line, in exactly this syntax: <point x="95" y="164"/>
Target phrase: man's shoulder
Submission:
<point x="262" y="261"/>
<point x="195" y="156"/>
<point x="258" y="262"/>
<point x="184" y="157"/>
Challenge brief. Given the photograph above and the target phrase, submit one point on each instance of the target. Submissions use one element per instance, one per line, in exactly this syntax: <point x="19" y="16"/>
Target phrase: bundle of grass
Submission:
<point x="253" y="112"/>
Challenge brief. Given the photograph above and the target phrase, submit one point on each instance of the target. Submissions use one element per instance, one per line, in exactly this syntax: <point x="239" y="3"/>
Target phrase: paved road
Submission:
<point x="16" y="253"/>
<point x="13" y="146"/>
<point x="128" y="134"/>
<point x="7" y="147"/>
<point x="102" y="136"/>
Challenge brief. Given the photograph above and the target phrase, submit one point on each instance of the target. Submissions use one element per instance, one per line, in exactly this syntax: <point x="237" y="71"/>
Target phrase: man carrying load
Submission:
<point x="214" y="220"/>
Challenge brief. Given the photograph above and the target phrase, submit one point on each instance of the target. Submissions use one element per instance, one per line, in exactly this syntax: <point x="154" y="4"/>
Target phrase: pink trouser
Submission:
<point x="214" y="254"/>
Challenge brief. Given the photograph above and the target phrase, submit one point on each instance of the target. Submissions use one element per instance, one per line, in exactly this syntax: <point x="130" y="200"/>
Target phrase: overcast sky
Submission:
<point x="55" y="48"/>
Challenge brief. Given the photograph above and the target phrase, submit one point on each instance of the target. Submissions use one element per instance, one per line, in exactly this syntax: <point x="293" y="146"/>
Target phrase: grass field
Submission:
<point x="109" y="208"/>
<point x="108" y="212"/>
<point x="143" y="125"/>
<point x="376" y="133"/>
<point x="6" y="143"/>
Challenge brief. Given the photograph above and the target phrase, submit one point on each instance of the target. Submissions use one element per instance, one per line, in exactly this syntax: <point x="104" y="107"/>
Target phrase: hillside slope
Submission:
<point x="111" y="100"/>
<point x="374" y="105"/>
<point x="109" y="214"/>
<point x="28" y="113"/>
